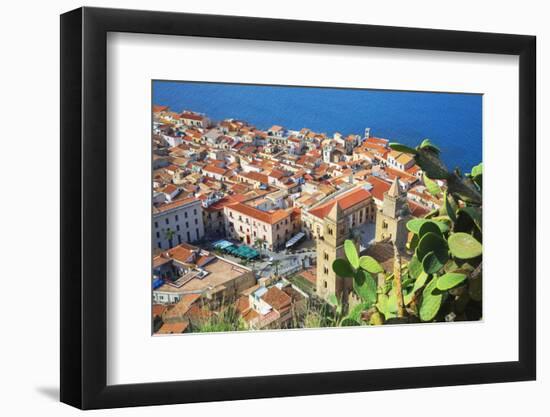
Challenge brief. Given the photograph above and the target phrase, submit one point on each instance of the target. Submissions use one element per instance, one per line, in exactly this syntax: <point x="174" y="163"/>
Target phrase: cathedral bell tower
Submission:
<point x="392" y="219"/>
<point x="330" y="246"/>
<point x="327" y="153"/>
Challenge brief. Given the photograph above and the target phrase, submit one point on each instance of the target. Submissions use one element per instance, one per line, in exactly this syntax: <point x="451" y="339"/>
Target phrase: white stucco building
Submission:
<point x="177" y="222"/>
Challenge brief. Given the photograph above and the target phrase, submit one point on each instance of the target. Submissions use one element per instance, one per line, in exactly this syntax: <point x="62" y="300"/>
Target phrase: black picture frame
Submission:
<point x="84" y="207"/>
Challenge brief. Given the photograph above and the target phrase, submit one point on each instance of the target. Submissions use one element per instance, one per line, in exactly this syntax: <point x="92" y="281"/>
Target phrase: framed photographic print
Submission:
<point x="259" y="208"/>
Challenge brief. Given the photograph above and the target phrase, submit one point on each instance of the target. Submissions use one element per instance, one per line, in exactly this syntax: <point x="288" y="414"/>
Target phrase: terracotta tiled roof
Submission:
<point x="169" y="189"/>
<point x="277" y="298"/>
<point x="345" y="201"/>
<point x="250" y="315"/>
<point x="255" y="176"/>
<point x="182" y="253"/>
<point x="242" y="305"/>
<point x="175" y="204"/>
<point x="377" y="141"/>
<point x="277" y="174"/>
<point x="173" y="328"/>
<point x="230" y="199"/>
<point x="215" y="169"/>
<point x="310" y="274"/>
<point x="181" y="308"/>
<point x="417" y="210"/>
<point x="413" y="169"/>
<point x="403" y="176"/>
<point x="192" y="116"/>
<point x="270" y="217"/>
<point x="379" y="187"/>
<point x="158" y="309"/>
<point x="157" y="108"/>
<point x="197" y="313"/>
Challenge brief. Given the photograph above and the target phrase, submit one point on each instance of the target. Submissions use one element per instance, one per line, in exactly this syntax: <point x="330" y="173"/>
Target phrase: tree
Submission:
<point x="275" y="265"/>
<point x="259" y="243"/>
<point x="169" y="234"/>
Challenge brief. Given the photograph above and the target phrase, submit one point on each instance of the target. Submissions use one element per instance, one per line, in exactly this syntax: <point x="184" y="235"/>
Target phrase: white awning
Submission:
<point x="294" y="239"/>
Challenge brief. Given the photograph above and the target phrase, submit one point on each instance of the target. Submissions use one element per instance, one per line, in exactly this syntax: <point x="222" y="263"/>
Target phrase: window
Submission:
<point x="166" y="220"/>
<point x="177" y="218"/>
<point x="158" y="235"/>
<point x="325" y="271"/>
<point x="196" y="221"/>
<point x="178" y="227"/>
<point x="197" y="232"/>
<point x="179" y="239"/>
<point x="186" y="224"/>
<point x="326" y="256"/>
<point x="185" y="214"/>
<point x="195" y="212"/>
<point x="330" y="231"/>
<point x="156" y="225"/>
<point x="188" y="236"/>
<point x="159" y="245"/>
<point x="326" y="285"/>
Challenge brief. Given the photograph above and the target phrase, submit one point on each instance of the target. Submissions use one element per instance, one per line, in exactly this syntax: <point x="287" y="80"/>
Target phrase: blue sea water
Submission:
<point x="451" y="121"/>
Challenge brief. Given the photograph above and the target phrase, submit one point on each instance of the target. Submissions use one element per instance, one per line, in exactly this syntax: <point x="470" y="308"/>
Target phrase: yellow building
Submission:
<point x="339" y="218"/>
<point x="250" y="225"/>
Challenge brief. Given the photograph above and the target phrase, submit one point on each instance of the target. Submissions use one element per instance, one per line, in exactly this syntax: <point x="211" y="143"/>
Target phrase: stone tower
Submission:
<point x="392" y="219"/>
<point x="330" y="246"/>
<point x="327" y="153"/>
<point x="367" y="132"/>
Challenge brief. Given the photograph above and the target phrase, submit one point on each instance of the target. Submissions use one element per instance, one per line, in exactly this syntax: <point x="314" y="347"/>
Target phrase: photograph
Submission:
<point x="293" y="207"/>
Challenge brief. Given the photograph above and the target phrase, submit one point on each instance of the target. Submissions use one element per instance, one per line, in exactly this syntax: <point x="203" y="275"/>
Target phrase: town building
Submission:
<point x="357" y="203"/>
<point x="184" y="274"/>
<point x="399" y="160"/>
<point x="195" y="119"/>
<point x="177" y="222"/>
<point x="268" y="229"/>
<point x="272" y="307"/>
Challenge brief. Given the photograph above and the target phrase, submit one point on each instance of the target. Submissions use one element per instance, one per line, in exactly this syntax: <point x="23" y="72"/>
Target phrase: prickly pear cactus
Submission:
<point x="443" y="279"/>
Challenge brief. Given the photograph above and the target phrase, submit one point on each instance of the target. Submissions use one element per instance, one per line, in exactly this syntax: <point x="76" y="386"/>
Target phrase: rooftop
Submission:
<point x="218" y="271"/>
<point x="277" y="298"/>
<point x="270" y="217"/>
<point x="345" y="201"/>
<point x="175" y="205"/>
<point x="192" y="116"/>
<point x="173" y="328"/>
<point x="215" y="169"/>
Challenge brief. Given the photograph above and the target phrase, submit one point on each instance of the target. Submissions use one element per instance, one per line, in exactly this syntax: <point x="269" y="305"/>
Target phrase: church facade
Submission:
<point x="338" y="225"/>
